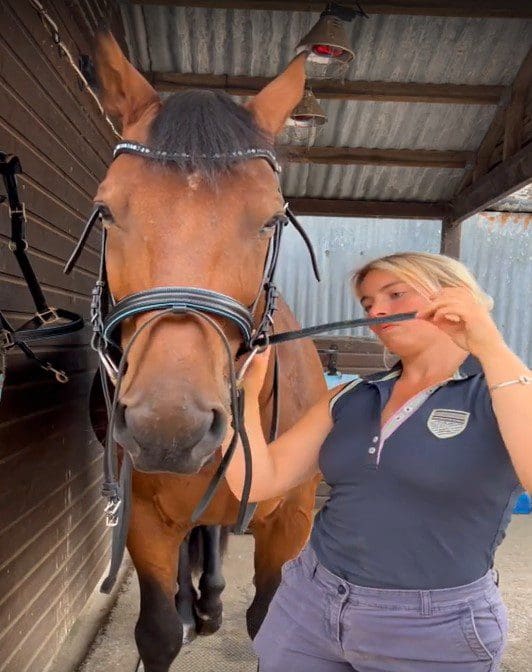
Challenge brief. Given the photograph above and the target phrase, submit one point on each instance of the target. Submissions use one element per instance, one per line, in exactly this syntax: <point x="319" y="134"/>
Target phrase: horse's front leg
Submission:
<point x="153" y="546"/>
<point x="187" y="596"/>
<point x="209" y="606"/>
<point x="278" y="538"/>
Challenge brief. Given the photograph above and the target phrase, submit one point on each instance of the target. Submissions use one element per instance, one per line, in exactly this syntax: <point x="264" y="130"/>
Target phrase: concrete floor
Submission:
<point x="229" y="649"/>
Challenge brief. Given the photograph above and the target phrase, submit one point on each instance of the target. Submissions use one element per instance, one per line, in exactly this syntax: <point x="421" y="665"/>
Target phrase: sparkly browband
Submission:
<point x="138" y="149"/>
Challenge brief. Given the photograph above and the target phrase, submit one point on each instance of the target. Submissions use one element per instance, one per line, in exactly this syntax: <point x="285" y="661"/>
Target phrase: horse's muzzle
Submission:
<point x="175" y="443"/>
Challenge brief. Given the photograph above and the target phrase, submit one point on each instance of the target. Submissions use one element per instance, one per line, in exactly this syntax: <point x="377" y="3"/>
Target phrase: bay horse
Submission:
<point x="200" y="223"/>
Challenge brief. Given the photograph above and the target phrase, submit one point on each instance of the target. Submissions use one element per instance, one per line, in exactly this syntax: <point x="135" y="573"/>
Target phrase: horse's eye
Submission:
<point x="105" y="214"/>
<point x="273" y="223"/>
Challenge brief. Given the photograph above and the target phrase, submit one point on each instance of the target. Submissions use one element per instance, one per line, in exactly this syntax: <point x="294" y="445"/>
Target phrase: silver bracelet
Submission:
<point x="523" y="380"/>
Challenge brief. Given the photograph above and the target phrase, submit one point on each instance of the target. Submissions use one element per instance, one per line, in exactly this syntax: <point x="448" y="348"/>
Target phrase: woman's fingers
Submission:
<point x="256" y="371"/>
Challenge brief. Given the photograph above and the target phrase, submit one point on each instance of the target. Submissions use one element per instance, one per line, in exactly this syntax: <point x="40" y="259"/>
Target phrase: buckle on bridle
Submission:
<point x="18" y="211"/>
<point x="111" y="511"/>
<point x="47" y="316"/>
<point x="7" y="340"/>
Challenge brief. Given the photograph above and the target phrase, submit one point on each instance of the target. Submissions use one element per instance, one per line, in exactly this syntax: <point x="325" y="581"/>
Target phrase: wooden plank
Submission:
<point x="48" y="240"/>
<point x="354" y="360"/>
<point x="513" y="127"/>
<point x="49" y="271"/>
<point x="65" y="619"/>
<point x="508" y="176"/>
<point x="403" y="92"/>
<point x="54" y="215"/>
<point x="20" y="532"/>
<point x="412" y="158"/>
<point x="30" y="29"/>
<point x="450" y="239"/>
<point x="28" y="399"/>
<point x="21" y="124"/>
<point x="14" y="296"/>
<point x="501" y="125"/>
<point x="382" y="209"/>
<point x="349" y="344"/>
<point x="464" y="8"/>
<point x="72" y="575"/>
<point x="28" y="567"/>
<point x="22" y="90"/>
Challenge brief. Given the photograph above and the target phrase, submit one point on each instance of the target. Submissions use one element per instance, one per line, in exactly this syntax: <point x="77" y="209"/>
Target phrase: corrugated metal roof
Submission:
<point x="388" y="48"/>
<point x="498" y="251"/>
<point x="370" y="182"/>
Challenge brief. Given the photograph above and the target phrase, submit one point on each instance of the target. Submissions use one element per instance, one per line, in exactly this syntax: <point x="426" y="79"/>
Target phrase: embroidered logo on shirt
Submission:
<point x="446" y="423"/>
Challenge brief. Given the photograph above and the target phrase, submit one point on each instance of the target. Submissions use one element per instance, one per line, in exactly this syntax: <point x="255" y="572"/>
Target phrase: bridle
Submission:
<point x="47" y="322"/>
<point x="205" y="305"/>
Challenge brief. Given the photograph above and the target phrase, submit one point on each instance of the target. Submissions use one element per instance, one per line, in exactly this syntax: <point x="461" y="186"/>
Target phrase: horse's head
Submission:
<point x="201" y="222"/>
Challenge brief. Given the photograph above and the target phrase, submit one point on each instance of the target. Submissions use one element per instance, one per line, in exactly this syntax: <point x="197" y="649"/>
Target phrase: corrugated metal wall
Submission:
<point x="500" y="255"/>
<point x="53" y="544"/>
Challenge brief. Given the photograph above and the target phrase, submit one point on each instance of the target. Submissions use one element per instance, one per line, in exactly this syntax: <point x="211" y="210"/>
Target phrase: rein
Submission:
<point x="257" y="333"/>
<point x="44" y="323"/>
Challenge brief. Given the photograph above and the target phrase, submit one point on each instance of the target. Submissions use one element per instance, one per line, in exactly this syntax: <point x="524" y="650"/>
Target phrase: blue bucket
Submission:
<point x="523" y="504"/>
<point x="339" y="379"/>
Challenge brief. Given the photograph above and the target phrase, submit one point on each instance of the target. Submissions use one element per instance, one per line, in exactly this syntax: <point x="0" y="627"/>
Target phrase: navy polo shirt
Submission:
<point x="423" y="502"/>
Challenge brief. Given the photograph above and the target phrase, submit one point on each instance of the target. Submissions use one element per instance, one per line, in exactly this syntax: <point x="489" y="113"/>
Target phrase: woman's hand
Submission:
<point x="455" y="311"/>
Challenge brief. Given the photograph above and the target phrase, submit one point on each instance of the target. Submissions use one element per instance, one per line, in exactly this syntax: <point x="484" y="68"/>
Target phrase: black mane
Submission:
<point x="203" y="124"/>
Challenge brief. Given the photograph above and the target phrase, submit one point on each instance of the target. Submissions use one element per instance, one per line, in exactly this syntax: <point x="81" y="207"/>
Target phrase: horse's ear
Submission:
<point x="124" y="92"/>
<point x="272" y="106"/>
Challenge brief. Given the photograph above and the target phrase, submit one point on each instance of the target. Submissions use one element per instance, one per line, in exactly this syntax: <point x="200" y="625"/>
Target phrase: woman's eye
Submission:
<point x="397" y="295"/>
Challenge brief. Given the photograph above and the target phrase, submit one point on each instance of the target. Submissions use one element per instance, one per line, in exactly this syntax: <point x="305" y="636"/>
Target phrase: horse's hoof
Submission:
<point x="207" y="625"/>
<point x="189" y="633"/>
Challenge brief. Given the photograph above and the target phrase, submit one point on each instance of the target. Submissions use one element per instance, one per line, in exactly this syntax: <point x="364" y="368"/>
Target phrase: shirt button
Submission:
<point x="408" y="409"/>
<point x="371" y="450"/>
<point x="375" y="439"/>
<point x="342" y="590"/>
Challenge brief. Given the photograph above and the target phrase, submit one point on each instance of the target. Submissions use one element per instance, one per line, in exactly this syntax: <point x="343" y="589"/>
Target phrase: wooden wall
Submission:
<point x="53" y="543"/>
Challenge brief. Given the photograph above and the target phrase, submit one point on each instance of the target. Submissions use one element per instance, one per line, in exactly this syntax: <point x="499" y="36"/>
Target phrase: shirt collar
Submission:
<point x="468" y="368"/>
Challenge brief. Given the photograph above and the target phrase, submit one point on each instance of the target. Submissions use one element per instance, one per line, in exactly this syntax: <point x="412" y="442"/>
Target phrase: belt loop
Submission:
<point x="426" y="602"/>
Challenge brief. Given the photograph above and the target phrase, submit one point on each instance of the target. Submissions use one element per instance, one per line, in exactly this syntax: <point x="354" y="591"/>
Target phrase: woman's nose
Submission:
<point x="378" y="309"/>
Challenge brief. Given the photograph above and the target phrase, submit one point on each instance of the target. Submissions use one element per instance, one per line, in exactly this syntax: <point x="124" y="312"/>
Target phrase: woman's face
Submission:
<point x="382" y="293"/>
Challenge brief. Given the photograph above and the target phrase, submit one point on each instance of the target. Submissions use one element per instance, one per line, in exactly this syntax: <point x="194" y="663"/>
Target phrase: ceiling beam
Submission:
<point x="463" y="8"/>
<point x="402" y="92"/>
<point x="506" y="127"/>
<point x="410" y="158"/>
<point x="378" y="209"/>
<point x="505" y="178"/>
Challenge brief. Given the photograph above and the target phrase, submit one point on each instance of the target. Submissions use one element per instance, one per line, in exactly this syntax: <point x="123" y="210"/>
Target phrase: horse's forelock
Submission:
<point x="205" y="126"/>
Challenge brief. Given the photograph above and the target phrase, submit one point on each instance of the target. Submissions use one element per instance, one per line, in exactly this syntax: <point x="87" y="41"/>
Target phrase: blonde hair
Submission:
<point x="428" y="273"/>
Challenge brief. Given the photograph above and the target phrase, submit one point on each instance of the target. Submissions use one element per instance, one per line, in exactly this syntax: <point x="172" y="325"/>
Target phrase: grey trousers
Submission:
<point x="317" y="622"/>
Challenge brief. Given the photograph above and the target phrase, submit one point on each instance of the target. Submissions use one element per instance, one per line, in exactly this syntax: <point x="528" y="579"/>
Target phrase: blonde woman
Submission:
<point x="424" y="462"/>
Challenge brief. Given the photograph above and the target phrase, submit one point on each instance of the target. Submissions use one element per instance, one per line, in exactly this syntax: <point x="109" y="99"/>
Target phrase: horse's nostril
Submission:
<point x="218" y="424"/>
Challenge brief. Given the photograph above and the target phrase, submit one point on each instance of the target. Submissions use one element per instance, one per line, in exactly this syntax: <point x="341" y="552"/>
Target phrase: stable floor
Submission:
<point x="229" y="649"/>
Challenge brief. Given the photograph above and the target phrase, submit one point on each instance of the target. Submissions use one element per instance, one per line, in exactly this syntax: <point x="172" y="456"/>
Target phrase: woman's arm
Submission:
<point x="512" y="405"/>
<point x="289" y="460"/>
<point x="470" y="325"/>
